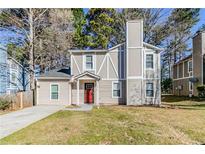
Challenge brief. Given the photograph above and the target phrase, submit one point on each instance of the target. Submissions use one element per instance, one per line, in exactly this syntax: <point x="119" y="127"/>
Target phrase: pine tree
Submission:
<point x="79" y="22"/>
<point x="100" y="27"/>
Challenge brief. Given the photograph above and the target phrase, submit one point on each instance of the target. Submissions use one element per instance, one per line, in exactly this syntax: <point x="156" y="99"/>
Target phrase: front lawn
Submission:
<point x="117" y="125"/>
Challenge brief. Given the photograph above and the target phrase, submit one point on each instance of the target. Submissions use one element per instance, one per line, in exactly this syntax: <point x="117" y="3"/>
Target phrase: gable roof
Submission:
<point x="15" y="61"/>
<point x="87" y="73"/>
<point x="61" y="73"/>
<point x="152" y="46"/>
<point x="116" y="46"/>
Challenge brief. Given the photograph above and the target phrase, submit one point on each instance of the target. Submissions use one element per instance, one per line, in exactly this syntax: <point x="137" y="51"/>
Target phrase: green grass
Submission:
<point x="117" y="125"/>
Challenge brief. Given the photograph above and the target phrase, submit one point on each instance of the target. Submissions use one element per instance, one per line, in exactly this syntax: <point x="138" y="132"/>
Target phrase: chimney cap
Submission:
<point x="135" y="20"/>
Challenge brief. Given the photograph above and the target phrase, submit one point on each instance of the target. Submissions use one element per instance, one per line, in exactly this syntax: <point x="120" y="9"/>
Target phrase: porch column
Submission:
<point x="70" y="93"/>
<point x="78" y="100"/>
<point x="97" y="87"/>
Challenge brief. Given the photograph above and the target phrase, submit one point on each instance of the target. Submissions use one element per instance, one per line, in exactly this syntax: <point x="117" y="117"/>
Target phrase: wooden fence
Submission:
<point x="19" y="100"/>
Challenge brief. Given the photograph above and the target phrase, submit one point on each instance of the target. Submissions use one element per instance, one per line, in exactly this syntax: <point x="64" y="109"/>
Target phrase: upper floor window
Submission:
<point x="190" y="66"/>
<point x="149" y="61"/>
<point x="89" y="63"/>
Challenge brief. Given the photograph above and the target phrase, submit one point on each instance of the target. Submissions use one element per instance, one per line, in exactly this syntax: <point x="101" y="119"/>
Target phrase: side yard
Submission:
<point x="119" y="125"/>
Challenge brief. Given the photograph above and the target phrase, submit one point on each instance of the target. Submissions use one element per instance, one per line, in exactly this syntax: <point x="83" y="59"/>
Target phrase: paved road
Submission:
<point x="14" y="121"/>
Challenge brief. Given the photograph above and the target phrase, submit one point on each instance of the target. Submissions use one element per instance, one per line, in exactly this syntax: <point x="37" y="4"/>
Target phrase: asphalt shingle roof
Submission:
<point x="62" y="72"/>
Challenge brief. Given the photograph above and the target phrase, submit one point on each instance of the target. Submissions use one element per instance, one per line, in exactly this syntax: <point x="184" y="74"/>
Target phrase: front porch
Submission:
<point x="84" y="89"/>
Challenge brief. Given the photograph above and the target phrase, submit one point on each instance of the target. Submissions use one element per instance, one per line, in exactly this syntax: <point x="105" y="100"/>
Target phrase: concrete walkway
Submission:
<point x="82" y="107"/>
<point x="14" y="121"/>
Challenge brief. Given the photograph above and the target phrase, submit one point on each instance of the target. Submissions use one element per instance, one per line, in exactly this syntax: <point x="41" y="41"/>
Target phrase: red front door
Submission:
<point x="89" y="93"/>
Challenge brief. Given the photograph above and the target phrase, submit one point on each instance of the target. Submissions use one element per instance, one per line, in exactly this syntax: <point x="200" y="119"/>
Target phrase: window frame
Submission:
<point x="150" y="82"/>
<point x="153" y="59"/>
<point x="85" y="62"/>
<point x="114" y="82"/>
<point x="51" y="91"/>
<point x="190" y="72"/>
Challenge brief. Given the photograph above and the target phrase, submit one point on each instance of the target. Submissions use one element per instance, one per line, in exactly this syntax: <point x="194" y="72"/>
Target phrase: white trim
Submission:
<point x="135" y="77"/>
<point x="114" y="79"/>
<point x="110" y="58"/>
<point x="86" y="79"/>
<point x="153" y="89"/>
<point x="152" y="46"/>
<point x="76" y="65"/>
<point x="120" y="82"/>
<point x="87" y="73"/>
<point x="138" y="47"/>
<point x="51" y="84"/>
<point x="116" y="46"/>
<point x="105" y="57"/>
<point x="183" y="78"/>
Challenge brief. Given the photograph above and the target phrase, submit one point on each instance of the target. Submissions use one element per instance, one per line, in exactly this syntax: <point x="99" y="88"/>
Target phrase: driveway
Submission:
<point x="14" y="121"/>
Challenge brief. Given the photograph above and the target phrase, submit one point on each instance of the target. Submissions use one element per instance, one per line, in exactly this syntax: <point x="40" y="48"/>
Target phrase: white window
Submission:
<point x="149" y="89"/>
<point x="116" y="89"/>
<point x="13" y="77"/>
<point x="190" y="66"/>
<point x="149" y="61"/>
<point x="54" y="91"/>
<point x="89" y="62"/>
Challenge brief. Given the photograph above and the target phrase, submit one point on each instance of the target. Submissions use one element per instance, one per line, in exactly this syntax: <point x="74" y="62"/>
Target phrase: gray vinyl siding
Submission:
<point x="134" y="92"/>
<point x="107" y="71"/>
<point x="184" y="83"/>
<point x="105" y="92"/>
<point x="99" y="59"/>
<point x="43" y="92"/>
<point x="134" y="34"/>
<point x="135" y="62"/>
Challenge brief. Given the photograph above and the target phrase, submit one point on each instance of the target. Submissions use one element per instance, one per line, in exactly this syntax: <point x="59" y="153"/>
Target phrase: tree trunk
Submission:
<point x="31" y="49"/>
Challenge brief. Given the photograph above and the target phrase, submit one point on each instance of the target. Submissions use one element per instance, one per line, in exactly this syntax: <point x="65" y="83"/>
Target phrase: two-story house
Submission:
<point x="189" y="72"/>
<point x="128" y="73"/>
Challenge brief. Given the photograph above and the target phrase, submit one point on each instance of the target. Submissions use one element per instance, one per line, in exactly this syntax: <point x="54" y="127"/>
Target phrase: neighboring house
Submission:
<point x="17" y="77"/>
<point x="3" y="70"/>
<point x="13" y="76"/>
<point x="189" y="72"/>
<point x="128" y="73"/>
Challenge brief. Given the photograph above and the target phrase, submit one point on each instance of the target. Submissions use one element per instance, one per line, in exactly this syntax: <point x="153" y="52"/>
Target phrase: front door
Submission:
<point x="89" y="93"/>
